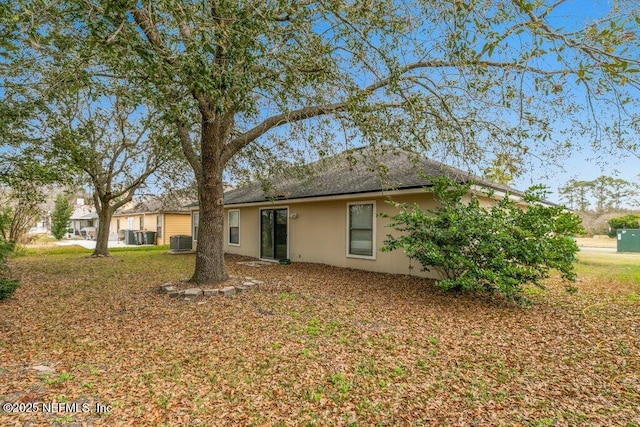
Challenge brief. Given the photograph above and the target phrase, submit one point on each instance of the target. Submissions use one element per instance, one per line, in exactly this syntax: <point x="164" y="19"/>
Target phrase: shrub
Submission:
<point x="624" y="221"/>
<point x="495" y="249"/>
<point x="7" y="285"/>
<point x="60" y="216"/>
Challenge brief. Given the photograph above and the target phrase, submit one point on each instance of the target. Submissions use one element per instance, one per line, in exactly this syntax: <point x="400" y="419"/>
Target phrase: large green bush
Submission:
<point x="624" y="221"/>
<point x="495" y="249"/>
<point x="7" y="285"/>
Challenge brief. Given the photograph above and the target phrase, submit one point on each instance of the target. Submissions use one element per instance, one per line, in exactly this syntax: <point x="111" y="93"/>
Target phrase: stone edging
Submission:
<point x="244" y="284"/>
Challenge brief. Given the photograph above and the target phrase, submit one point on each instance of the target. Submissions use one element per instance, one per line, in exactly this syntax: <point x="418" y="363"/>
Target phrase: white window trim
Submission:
<point x="193" y="225"/>
<point x="160" y="222"/>
<point x="374" y="250"/>
<point x="229" y="227"/>
<point x="260" y="234"/>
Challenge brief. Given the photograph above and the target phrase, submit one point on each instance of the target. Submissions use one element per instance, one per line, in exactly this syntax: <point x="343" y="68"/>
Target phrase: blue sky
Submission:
<point x="585" y="164"/>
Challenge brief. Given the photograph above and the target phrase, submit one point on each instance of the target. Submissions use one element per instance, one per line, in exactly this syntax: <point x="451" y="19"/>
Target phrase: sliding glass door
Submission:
<point x="273" y="233"/>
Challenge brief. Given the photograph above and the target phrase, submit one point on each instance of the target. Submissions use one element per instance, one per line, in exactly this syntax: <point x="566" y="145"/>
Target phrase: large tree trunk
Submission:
<point x="210" y="268"/>
<point x="104" y="220"/>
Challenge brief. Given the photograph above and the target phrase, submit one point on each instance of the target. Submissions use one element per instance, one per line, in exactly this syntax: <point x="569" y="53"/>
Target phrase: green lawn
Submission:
<point x="315" y="345"/>
<point x="624" y="267"/>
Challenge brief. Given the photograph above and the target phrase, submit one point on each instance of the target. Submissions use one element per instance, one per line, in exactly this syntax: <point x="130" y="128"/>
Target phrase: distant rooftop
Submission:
<point x="159" y="205"/>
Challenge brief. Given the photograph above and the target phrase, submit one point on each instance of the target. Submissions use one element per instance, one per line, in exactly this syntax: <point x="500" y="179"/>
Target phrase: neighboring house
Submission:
<point x="81" y="214"/>
<point x="42" y="225"/>
<point x="332" y="215"/>
<point x="165" y="218"/>
<point x="83" y="221"/>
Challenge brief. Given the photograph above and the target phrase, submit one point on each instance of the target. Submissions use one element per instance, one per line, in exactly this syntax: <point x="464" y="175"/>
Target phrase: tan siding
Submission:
<point x="150" y="222"/>
<point x="175" y="224"/>
<point x="124" y="221"/>
<point x="318" y="233"/>
<point x="249" y="233"/>
<point x="159" y="239"/>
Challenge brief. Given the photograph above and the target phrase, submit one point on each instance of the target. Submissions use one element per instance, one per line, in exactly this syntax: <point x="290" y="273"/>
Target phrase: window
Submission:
<point x="234" y="227"/>
<point x="159" y="226"/>
<point x="118" y="224"/>
<point x="195" y="218"/>
<point x="130" y="222"/>
<point x="361" y="230"/>
<point x="141" y="223"/>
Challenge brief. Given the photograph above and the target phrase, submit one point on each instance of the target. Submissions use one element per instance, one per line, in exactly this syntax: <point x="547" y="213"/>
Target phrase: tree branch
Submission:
<point x="251" y="135"/>
<point x="591" y="51"/>
<point x="246" y="138"/>
<point x="144" y="21"/>
<point x="188" y="151"/>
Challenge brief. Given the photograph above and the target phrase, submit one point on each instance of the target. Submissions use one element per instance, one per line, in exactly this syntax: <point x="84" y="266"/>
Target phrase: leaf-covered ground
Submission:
<point x="325" y="346"/>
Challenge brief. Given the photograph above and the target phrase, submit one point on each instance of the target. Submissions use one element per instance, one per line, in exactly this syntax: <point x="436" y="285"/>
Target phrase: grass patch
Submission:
<point x="75" y="249"/>
<point x="152" y="248"/>
<point x="56" y="250"/>
<point x="624" y="267"/>
<point x="43" y="238"/>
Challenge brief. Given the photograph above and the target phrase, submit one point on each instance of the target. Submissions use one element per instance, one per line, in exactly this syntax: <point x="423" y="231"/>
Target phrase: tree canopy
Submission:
<point x="602" y="194"/>
<point x="245" y="81"/>
<point x="113" y="140"/>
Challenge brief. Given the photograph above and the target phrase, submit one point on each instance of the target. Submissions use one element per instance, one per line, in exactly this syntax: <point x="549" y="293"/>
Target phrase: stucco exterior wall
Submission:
<point x="318" y="233"/>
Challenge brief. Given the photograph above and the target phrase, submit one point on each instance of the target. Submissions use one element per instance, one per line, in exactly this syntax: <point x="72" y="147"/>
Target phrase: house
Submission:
<point x="166" y="218"/>
<point x="331" y="216"/>
<point x="83" y="220"/>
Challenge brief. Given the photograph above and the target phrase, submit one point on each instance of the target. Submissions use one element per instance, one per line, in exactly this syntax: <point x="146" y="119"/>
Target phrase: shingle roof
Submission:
<point x="157" y="205"/>
<point x="356" y="171"/>
<point x="81" y="212"/>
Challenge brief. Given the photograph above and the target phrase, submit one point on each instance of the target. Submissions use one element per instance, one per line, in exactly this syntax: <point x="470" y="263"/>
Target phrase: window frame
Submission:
<point x="229" y="227"/>
<point x="373" y="230"/>
<point x="159" y="225"/>
<point x="195" y="225"/>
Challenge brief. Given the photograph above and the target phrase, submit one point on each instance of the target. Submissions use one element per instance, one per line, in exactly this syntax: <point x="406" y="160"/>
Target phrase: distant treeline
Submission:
<point x="603" y="194"/>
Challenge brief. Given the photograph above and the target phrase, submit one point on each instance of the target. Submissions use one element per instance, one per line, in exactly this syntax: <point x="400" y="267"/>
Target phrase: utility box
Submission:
<point x="180" y="243"/>
<point x="629" y="240"/>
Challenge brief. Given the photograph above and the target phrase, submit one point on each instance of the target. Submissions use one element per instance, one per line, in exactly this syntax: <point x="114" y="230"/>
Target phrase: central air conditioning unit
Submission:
<point x="180" y="243"/>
